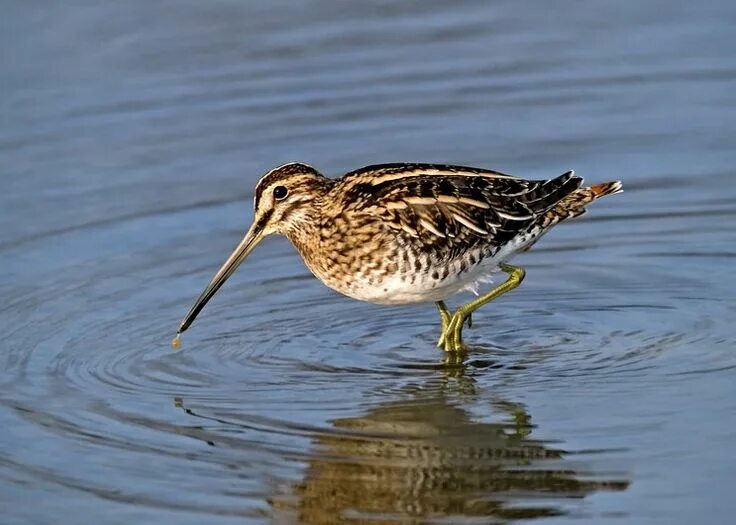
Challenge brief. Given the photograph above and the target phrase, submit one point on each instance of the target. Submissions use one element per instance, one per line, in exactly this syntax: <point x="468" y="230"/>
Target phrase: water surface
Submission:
<point x="131" y="136"/>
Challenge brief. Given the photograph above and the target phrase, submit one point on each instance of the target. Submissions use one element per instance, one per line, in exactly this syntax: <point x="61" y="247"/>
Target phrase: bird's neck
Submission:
<point x="304" y="226"/>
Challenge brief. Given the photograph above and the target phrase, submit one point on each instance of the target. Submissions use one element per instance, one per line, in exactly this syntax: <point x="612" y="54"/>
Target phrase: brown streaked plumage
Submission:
<point x="408" y="233"/>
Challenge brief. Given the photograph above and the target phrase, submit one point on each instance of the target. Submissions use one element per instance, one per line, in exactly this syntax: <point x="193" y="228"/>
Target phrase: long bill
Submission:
<point x="253" y="237"/>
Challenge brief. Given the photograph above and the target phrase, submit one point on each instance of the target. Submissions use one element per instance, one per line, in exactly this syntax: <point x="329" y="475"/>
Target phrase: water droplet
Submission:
<point x="176" y="342"/>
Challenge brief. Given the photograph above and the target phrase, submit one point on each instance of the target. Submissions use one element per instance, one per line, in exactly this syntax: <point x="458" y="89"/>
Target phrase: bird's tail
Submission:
<point x="575" y="203"/>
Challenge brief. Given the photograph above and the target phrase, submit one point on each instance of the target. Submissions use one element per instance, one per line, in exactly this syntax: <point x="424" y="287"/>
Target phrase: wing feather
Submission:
<point x="438" y="204"/>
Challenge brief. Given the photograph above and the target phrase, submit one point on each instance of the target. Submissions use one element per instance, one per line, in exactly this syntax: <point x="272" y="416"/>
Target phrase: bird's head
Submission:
<point x="284" y="197"/>
<point x="284" y="202"/>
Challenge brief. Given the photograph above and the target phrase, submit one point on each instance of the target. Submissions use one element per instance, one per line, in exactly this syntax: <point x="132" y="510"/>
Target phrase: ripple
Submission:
<point x="272" y="376"/>
<point x="263" y="388"/>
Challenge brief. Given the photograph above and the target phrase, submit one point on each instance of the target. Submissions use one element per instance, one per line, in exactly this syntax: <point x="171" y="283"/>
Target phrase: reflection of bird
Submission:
<point x="408" y="233"/>
<point x="410" y="460"/>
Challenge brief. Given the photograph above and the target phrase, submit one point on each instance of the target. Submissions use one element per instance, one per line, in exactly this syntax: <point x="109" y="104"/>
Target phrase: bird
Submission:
<point x="406" y="233"/>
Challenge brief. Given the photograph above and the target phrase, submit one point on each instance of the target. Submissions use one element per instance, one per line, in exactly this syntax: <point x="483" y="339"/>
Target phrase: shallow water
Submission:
<point x="131" y="136"/>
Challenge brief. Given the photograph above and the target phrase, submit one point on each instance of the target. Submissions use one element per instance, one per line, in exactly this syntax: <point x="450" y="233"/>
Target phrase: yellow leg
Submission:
<point x="452" y="333"/>
<point x="445" y="317"/>
<point x="445" y="314"/>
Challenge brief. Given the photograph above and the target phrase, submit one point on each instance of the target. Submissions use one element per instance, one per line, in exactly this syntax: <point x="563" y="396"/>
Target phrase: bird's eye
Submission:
<point x="280" y="192"/>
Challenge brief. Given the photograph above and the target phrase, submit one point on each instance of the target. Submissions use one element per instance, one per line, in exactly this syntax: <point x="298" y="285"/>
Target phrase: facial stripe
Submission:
<point x="264" y="219"/>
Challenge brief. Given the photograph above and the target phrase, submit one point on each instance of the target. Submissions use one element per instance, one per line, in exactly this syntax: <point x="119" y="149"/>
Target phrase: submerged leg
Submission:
<point x="452" y="334"/>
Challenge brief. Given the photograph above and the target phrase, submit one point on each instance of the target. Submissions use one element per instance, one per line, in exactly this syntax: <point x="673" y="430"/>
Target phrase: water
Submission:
<point x="131" y="136"/>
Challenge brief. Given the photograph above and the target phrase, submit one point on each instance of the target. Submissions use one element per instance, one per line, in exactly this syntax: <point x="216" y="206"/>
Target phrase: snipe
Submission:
<point x="408" y="233"/>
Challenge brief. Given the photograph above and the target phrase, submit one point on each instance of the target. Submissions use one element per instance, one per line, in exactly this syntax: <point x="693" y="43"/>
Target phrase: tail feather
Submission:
<point x="575" y="203"/>
<point x="605" y="188"/>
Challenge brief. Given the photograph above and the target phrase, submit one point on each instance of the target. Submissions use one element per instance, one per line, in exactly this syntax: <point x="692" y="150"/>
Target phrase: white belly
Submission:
<point x="398" y="291"/>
